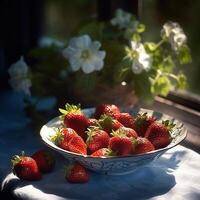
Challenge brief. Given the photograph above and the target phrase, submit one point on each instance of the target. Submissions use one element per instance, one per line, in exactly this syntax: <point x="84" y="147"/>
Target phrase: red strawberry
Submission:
<point x="124" y="131"/>
<point x="77" y="145"/>
<point x="109" y="124"/>
<point x="126" y="119"/>
<point x="76" y="173"/>
<point x="143" y="145"/>
<point x="159" y="134"/>
<point x="75" y="119"/>
<point x="92" y="121"/>
<point x="108" y="109"/>
<point x="142" y="122"/>
<point x="62" y="137"/>
<point x="45" y="160"/>
<point x="69" y="140"/>
<point x="25" y="168"/>
<point x="97" y="139"/>
<point x="103" y="152"/>
<point x="121" y="145"/>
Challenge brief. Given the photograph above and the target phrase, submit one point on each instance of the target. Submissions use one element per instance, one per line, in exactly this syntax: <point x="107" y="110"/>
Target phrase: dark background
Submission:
<point x="24" y="22"/>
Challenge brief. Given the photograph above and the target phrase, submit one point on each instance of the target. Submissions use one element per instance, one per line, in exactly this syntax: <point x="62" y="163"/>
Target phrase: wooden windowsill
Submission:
<point x="189" y="117"/>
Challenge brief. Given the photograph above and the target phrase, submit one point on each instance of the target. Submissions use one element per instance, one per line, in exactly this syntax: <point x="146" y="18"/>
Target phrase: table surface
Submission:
<point x="175" y="175"/>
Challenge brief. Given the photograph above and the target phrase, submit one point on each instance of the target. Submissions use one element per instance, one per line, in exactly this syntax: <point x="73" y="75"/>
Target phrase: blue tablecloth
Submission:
<point x="175" y="175"/>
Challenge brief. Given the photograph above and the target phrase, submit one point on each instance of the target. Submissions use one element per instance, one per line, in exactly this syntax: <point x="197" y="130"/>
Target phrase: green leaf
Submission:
<point x="45" y="51"/>
<point x="167" y="64"/>
<point x="114" y="55"/>
<point x="182" y="81"/>
<point x="150" y="46"/>
<point x="136" y="37"/>
<point x="161" y="85"/>
<point x="140" y="28"/>
<point x="85" y="82"/>
<point x="142" y="86"/>
<point x="168" y="124"/>
<point x="123" y="71"/>
<point x="184" y="55"/>
<point x="94" y="30"/>
<point x="64" y="112"/>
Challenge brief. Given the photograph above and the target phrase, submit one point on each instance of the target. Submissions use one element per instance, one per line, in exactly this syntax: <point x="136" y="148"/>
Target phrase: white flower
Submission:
<point x="48" y="41"/>
<point x="122" y="19"/>
<point x="19" y="80"/>
<point x="19" y="69"/>
<point x="141" y="60"/>
<point x="174" y="34"/>
<point x="21" y="85"/>
<point x="85" y="54"/>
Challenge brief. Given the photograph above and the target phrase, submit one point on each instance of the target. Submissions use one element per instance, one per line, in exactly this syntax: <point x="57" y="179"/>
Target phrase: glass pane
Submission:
<point x="186" y="13"/>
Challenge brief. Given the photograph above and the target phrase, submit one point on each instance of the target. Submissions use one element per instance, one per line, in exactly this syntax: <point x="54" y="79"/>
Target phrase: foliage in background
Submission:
<point x="155" y="13"/>
<point x="108" y="54"/>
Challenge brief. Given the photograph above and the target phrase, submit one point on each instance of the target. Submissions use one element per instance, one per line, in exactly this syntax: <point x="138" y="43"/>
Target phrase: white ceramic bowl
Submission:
<point x="118" y="164"/>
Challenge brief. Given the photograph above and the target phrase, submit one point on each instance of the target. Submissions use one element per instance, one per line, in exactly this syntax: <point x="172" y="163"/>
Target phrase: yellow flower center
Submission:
<point x="85" y="54"/>
<point x="134" y="54"/>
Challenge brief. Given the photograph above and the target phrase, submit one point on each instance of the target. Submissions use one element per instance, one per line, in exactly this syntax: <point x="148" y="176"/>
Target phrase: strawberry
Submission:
<point x="159" y="134"/>
<point x="45" y="160"/>
<point x="126" y="119"/>
<point x="92" y="121"/>
<point x="76" y="173"/>
<point x="75" y="119"/>
<point x="104" y="152"/>
<point x="121" y="145"/>
<point x="77" y="145"/>
<point x="25" y="168"/>
<point x="108" y="109"/>
<point x="107" y="123"/>
<point x="69" y="140"/>
<point x="97" y="139"/>
<point x="142" y="122"/>
<point x="143" y="145"/>
<point x="124" y="131"/>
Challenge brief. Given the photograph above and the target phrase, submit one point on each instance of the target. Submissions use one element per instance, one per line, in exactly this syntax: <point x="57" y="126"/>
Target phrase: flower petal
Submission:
<point x="75" y="64"/>
<point x="87" y="68"/>
<point x="69" y="51"/>
<point x="101" y="54"/>
<point x="99" y="65"/>
<point x="137" y="67"/>
<point x="18" y="69"/>
<point x="81" y="42"/>
<point x="95" y="45"/>
<point x="21" y="85"/>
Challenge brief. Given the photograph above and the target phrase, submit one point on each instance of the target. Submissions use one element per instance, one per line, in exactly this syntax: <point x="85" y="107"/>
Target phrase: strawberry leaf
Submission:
<point x="58" y="137"/>
<point x="64" y="112"/>
<point x="91" y="132"/>
<point x="119" y="132"/>
<point x="168" y="124"/>
<point x="67" y="169"/>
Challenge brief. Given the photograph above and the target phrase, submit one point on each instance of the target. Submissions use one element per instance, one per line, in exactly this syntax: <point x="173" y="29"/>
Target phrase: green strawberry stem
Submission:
<point x="104" y="121"/>
<point x="119" y="132"/>
<point x="70" y="108"/>
<point x="110" y="152"/>
<point x="140" y="118"/>
<point x="90" y="133"/>
<point x="16" y="159"/>
<point x="67" y="169"/>
<point x="168" y="124"/>
<point x="57" y="137"/>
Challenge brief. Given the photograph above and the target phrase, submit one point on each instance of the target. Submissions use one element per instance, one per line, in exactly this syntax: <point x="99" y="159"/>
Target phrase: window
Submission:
<point x="154" y="14"/>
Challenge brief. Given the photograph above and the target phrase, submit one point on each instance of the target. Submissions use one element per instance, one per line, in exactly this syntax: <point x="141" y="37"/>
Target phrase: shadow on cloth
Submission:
<point x="152" y="180"/>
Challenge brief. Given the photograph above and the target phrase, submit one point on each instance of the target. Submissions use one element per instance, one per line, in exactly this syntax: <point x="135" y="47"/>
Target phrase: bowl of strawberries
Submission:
<point x="110" y="140"/>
